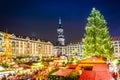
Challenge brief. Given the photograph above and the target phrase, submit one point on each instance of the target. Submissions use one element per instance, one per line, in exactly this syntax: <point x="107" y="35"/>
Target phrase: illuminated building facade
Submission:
<point x="28" y="46"/>
<point x="73" y="48"/>
<point x="116" y="44"/>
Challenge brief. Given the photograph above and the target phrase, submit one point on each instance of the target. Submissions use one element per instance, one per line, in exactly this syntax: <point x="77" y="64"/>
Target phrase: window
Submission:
<point x="116" y="51"/>
<point x="116" y="45"/>
<point x="115" y="42"/>
<point x="13" y="44"/>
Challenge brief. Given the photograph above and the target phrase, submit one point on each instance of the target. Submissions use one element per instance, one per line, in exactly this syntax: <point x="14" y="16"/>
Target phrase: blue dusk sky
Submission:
<point x="25" y="17"/>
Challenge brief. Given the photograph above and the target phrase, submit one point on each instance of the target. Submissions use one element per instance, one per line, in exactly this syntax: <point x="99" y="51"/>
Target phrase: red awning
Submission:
<point x="87" y="75"/>
<point x="100" y="67"/>
<point x="62" y="72"/>
<point x="71" y="66"/>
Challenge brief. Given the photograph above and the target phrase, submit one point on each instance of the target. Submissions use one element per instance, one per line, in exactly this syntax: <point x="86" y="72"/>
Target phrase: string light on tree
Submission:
<point x="97" y="41"/>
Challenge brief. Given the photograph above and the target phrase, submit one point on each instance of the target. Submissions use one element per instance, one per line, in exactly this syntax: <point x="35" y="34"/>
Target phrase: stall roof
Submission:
<point x="62" y="72"/>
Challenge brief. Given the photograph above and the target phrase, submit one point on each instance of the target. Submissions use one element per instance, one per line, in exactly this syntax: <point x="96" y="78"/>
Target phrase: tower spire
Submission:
<point x="59" y="20"/>
<point x="60" y="38"/>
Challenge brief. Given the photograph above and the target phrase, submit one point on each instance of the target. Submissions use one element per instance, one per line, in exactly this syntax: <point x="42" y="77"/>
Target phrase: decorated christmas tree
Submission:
<point x="97" y="41"/>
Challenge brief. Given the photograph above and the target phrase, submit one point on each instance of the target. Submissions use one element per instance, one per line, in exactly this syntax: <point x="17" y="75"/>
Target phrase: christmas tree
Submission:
<point x="97" y="41"/>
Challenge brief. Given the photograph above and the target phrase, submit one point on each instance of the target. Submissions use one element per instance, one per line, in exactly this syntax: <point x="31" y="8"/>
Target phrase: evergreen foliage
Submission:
<point x="97" y="41"/>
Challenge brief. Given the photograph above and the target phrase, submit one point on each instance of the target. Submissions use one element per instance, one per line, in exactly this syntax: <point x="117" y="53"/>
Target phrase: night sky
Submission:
<point x="25" y="17"/>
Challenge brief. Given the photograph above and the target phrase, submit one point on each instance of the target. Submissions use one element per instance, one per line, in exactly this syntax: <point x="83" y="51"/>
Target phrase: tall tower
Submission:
<point x="60" y="37"/>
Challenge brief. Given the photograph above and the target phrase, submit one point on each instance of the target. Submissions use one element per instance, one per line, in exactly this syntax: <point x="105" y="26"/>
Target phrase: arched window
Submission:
<point x="13" y="44"/>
